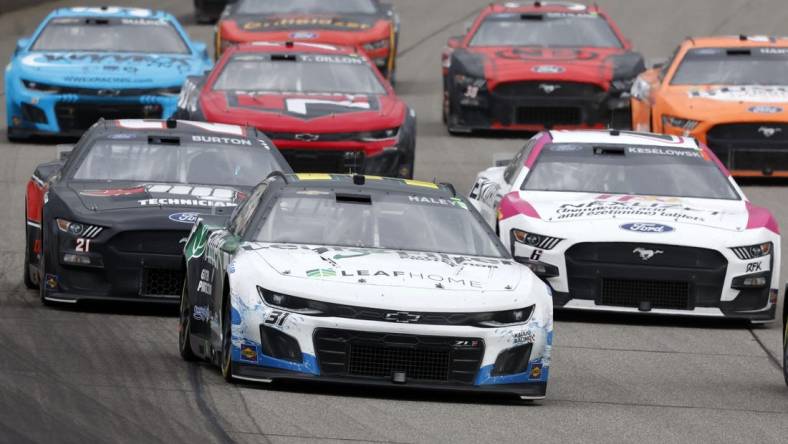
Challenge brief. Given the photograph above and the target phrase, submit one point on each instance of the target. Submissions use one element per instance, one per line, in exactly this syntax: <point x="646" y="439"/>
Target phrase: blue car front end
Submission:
<point x="63" y="92"/>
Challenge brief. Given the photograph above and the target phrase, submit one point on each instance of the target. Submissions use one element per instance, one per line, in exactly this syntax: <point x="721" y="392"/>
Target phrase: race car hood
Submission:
<point x="605" y="211"/>
<point x="720" y="102"/>
<point x="334" y="113"/>
<point x="107" y="70"/>
<point x="585" y="65"/>
<point x="335" y="268"/>
<point x="100" y="197"/>
<point x="338" y="29"/>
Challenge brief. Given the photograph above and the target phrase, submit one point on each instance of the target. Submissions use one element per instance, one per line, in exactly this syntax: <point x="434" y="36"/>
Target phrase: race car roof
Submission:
<point x="372" y="183"/>
<point x="539" y="6"/>
<point x="623" y="138"/>
<point x="737" y="41"/>
<point x="292" y="47"/>
<point x="111" y="12"/>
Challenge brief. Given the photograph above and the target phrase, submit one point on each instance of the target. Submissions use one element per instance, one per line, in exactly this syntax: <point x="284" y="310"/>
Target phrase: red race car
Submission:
<point x="530" y="66"/>
<point x="326" y="107"/>
<point x="370" y="25"/>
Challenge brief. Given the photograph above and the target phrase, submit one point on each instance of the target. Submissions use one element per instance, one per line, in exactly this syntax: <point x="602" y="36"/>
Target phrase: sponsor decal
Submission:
<point x="753" y="267"/>
<point x="221" y="140"/>
<point x="633" y="206"/>
<point x="767" y="94"/>
<point x="522" y="337"/>
<point x="185" y="203"/>
<point x="411" y="276"/>
<point x="205" y="285"/>
<point x="201" y="313"/>
<point x="123" y="62"/>
<point x="536" y="371"/>
<point x="647" y="227"/>
<point x="321" y="272"/>
<point x="326" y="22"/>
<point x="51" y="280"/>
<point x="645" y="253"/>
<point x="765" y="109"/>
<point x="548" y="55"/>
<point x="548" y="69"/>
<point x="116" y="192"/>
<point x="184" y="218"/>
<point x="466" y="343"/>
<point x="248" y="353"/>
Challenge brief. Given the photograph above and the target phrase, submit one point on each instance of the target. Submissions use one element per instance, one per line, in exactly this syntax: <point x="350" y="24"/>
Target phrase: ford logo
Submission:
<point x="184" y="218"/>
<point x="765" y="109"/>
<point x="645" y="227"/>
<point x="303" y="35"/>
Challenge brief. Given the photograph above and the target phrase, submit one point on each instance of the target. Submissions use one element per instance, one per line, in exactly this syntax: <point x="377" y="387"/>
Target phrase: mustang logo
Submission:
<point x="769" y="132"/>
<point x="549" y="89"/>
<point x="646" y="254"/>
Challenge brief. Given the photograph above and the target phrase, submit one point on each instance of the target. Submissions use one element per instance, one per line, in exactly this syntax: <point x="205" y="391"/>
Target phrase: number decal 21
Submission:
<point x="83" y="245"/>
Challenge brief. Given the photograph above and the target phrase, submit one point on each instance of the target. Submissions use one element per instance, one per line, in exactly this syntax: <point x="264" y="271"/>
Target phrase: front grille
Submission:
<point x="659" y="294"/>
<point x="324" y="161"/>
<point x="353" y="354"/>
<point x="624" y="274"/>
<point x="150" y="242"/>
<point x="158" y="283"/>
<point x="751" y="146"/>
<point x="80" y="116"/>
<point x="548" y="90"/>
<point x="549" y="115"/>
<point x="322" y="137"/>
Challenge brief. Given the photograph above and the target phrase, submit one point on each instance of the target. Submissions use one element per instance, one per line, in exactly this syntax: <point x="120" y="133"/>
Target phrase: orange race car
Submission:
<point x="729" y="92"/>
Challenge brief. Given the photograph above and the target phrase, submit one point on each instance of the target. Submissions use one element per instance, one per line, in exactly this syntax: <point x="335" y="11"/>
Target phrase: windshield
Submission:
<point x="309" y="6"/>
<point x="302" y="74"/>
<point x="116" y="35"/>
<point x="735" y="66"/>
<point x="396" y="221"/>
<point x="634" y="170"/>
<point x="190" y="163"/>
<point x="553" y="30"/>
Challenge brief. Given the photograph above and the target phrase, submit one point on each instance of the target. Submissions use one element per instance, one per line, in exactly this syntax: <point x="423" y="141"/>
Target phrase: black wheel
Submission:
<point x="184" y="328"/>
<point x="42" y="271"/>
<point x="30" y="283"/>
<point x="227" y="341"/>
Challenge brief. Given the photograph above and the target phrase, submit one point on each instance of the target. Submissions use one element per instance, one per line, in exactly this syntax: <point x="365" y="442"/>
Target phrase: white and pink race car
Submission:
<point x="634" y="222"/>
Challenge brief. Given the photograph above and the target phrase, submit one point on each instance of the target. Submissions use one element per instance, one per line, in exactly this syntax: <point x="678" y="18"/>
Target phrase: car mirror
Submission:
<point x="230" y="245"/>
<point x="201" y="48"/>
<point x="21" y="45"/>
<point x="63" y="151"/>
<point x="657" y="63"/>
<point x="502" y="159"/>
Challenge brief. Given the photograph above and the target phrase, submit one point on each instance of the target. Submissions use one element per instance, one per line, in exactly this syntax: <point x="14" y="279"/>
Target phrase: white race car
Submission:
<point x="634" y="222"/>
<point x="364" y="280"/>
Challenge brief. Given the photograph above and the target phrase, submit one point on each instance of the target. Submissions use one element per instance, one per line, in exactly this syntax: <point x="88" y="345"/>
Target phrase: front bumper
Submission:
<point x="390" y="354"/>
<point x="123" y="266"/>
<point x="527" y="106"/>
<point x="746" y="148"/>
<point x="611" y="278"/>
<point x="35" y="114"/>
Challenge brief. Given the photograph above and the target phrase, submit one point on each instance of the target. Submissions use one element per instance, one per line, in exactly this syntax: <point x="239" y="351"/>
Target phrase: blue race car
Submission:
<point x="85" y="63"/>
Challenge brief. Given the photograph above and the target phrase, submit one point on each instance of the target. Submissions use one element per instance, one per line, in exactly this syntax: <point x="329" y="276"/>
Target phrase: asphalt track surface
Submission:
<point x="113" y="374"/>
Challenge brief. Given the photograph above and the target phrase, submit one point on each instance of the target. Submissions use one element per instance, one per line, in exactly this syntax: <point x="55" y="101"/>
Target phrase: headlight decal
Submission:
<point x="78" y="229"/>
<point x="535" y="240"/>
<point x="753" y="251"/>
<point x="678" y="122"/>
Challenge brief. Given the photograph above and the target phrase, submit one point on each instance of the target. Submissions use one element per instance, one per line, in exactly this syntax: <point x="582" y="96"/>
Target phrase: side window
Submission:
<point x="246" y="211"/>
<point x="516" y="165"/>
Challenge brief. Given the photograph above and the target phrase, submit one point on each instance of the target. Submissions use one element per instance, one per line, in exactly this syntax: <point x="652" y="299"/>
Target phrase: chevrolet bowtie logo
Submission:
<point x="307" y="137"/>
<point x="402" y="317"/>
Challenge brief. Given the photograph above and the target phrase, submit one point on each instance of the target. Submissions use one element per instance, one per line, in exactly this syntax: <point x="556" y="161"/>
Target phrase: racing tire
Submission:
<point x="184" y="328"/>
<point x="42" y="272"/>
<point x="30" y="284"/>
<point x="226" y="359"/>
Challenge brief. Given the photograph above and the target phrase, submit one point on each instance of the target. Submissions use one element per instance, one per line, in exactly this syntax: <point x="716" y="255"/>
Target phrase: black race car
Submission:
<point x="208" y="11"/>
<point x="110" y="218"/>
